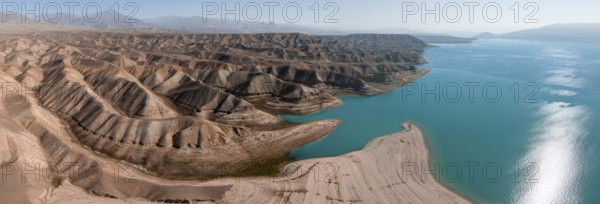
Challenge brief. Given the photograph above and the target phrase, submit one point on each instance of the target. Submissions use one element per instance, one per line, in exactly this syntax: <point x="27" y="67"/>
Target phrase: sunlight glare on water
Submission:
<point x="554" y="151"/>
<point x="555" y="146"/>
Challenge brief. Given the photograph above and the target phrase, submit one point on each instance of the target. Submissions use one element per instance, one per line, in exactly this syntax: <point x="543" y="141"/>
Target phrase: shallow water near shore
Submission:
<point x="506" y="121"/>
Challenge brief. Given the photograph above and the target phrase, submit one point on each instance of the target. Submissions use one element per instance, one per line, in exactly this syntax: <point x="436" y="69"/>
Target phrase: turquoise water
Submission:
<point x="535" y="142"/>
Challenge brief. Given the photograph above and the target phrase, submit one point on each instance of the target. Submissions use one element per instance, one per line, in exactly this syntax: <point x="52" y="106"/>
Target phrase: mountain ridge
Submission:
<point x="559" y="31"/>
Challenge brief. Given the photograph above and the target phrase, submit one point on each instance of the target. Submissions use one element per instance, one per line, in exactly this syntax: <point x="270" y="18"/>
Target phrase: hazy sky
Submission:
<point x="377" y="15"/>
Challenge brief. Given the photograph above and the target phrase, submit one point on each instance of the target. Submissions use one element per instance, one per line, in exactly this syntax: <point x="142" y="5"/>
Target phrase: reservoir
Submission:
<point x="506" y="121"/>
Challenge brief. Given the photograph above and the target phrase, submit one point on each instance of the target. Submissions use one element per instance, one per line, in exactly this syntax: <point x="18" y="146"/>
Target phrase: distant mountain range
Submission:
<point x="112" y="20"/>
<point x="108" y="19"/>
<point x="199" y="24"/>
<point x="485" y="35"/>
<point x="441" y="38"/>
<point x="104" y="20"/>
<point x="569" y="31"/>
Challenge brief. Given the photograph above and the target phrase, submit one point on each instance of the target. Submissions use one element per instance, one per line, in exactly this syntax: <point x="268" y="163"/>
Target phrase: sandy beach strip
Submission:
<point x="382" y="172"/>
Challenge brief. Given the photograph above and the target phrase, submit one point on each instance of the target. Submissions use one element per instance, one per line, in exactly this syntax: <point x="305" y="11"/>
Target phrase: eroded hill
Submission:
<point x="185" y="106"/>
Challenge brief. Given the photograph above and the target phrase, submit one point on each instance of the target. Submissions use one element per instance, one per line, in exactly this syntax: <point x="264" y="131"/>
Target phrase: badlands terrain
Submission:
<point x="173" y="117"/>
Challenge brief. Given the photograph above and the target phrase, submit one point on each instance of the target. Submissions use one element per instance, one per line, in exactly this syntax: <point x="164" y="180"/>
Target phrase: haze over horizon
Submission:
<point x="454" y="17"/>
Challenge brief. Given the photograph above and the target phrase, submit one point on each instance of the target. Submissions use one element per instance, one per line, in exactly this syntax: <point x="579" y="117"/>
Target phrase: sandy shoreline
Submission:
<point x="379" y="173"/>
<point x="429" y="158"/>
<point x="376" y="174"/>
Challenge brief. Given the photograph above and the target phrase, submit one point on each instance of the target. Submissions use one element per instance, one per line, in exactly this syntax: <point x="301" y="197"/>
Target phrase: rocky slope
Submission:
<point x="178" y="106"/>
